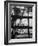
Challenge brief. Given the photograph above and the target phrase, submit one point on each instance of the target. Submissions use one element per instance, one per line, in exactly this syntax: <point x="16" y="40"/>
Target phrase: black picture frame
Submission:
<point x="6" y="27"/>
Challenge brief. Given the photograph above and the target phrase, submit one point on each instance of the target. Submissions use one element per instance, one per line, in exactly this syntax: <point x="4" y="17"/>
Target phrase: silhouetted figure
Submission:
<point x="14" y="17"/>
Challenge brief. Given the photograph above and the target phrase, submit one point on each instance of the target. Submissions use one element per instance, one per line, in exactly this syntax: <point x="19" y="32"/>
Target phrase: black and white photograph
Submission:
<point x="20" y="19"/>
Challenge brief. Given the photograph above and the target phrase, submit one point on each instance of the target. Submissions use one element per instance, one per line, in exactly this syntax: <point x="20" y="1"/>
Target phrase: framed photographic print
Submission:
<point x="20" y="22"/>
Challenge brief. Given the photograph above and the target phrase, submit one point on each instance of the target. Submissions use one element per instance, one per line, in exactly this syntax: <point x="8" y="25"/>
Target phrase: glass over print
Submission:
<point x="21" y="25"/>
